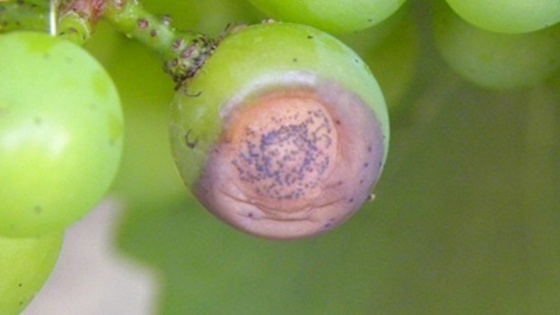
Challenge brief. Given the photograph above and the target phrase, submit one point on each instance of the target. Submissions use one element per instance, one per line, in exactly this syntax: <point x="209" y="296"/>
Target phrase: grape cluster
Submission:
<point x="281" y="130"/>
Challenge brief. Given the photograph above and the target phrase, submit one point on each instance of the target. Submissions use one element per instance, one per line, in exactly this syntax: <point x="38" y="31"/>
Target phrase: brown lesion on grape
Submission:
<point x="293" y="163"/>
<point x="284" y="158"/>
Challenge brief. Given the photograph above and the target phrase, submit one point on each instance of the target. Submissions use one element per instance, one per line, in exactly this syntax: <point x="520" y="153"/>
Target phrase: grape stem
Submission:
<point x="182" y="53"/>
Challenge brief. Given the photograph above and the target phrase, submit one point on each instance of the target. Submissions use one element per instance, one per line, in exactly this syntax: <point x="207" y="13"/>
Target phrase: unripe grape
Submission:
<point x="283" y="133"/>
<point x="25" y="265"/>
<point x="494" y="60"/>
<point x="391" y="50"/>
<point x="147" y="169"/>
<point x="508" y="16"/>
<point x="334" y="16"/>
<point x="61" y="132"/>
<point x="208" y="17"/>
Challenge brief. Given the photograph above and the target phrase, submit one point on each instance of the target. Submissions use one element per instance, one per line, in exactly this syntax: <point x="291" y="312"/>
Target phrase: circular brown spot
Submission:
<point x="282" y="147"/>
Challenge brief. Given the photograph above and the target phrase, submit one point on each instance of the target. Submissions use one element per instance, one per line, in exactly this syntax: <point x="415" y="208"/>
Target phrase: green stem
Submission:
<point x="77" y="19"/>
<point x="182" y="53"/>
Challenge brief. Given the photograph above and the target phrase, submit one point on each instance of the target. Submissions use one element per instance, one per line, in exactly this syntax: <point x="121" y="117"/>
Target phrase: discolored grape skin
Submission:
<point x="61" y="131"/>
<point x="284" y="132"/>
<point x="25" y="265"/>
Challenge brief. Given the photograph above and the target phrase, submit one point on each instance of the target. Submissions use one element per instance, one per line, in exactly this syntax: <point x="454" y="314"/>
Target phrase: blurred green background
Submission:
<point x="467" y="213"/>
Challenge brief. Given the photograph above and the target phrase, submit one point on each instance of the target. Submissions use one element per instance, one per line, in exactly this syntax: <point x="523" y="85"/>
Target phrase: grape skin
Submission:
<point x="61" y="131"/>
<point x="25" y="265"/>
<point x="508" y="16"/>
<point x="495" y="60"/>
<point x="334" y="16"/>
<point x="272" y="66"/>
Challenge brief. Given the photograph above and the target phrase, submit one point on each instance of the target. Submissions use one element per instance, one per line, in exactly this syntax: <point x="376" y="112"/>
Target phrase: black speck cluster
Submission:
<point x="288" y="158"/>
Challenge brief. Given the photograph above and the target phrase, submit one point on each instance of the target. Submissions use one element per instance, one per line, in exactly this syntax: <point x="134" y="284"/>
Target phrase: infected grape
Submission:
<point x="283" y="133"/>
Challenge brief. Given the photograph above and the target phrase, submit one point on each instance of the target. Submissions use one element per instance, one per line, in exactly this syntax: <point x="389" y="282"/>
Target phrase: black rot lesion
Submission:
<point x="284" y="163"/>
<point x="190" y="141"/>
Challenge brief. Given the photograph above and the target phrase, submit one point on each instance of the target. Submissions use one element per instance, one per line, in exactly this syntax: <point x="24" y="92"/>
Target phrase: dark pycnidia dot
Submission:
<point x="330" y="223"/>
<point x="283" y="163"/>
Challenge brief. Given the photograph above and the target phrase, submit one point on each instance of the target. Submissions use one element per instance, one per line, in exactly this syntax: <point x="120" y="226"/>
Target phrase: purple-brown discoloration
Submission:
<point x="293" y="163"/>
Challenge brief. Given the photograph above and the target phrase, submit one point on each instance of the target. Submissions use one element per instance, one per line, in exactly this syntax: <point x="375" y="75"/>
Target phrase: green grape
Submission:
<point x="25" y="265"/>
<point x="334" y="16"/>
<point x="147" y="169"/>
<point x="508" y="16"/>
<point x="61" y="131"/>
<point x="391" y="49"/>
<point x="283" y="133"/>
<point x="208" y="17"/>
<point x="495" y="60"/>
